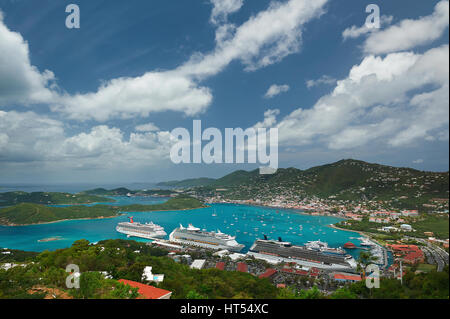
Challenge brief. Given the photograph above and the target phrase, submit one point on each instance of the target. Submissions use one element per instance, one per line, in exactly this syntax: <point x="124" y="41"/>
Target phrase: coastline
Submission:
<point x="58" y="221"/>
<point x="102" y="217"/>
<point x="349" y="230"/>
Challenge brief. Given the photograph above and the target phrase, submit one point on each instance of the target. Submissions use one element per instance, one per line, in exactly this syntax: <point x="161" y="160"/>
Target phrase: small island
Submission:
<point x="29" y="213"/>
<point x="45" y="240"/>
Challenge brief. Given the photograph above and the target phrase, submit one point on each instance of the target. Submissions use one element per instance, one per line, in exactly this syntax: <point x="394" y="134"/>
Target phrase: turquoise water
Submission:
<point x="246" y="222"/>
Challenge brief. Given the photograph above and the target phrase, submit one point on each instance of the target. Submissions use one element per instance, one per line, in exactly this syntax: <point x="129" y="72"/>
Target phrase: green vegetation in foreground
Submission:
<point x="44" y="198"/>
<point x="119" y="259"/>
<point x="431" y="285"/>
<point x="17" y="256"/>
<point x="178" y="203"/>
<point x="27" y="213"/>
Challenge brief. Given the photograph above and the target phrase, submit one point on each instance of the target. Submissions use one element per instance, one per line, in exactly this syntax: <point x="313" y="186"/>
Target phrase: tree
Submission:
<point x="343" y="293"/>
<point x="194" y="295"/>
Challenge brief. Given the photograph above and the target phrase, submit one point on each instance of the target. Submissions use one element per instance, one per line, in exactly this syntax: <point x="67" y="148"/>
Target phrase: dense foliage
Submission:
<point x="344" y="180"/>
<point x="44" y="198"/>
<point x="124" y="259"/>
<point x="125" y="191"/>
<point x="177" y="203"/>
<point x="431" y="285"/>
<point x="439" y="225"/>
<point x="27" y="213"/>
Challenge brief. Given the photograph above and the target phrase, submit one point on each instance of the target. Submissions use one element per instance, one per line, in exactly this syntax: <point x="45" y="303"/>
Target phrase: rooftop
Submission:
<point x="146" y="291"/>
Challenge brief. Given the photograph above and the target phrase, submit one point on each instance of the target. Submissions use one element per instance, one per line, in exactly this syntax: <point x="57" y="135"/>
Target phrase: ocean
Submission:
<point x="247" y="223"/>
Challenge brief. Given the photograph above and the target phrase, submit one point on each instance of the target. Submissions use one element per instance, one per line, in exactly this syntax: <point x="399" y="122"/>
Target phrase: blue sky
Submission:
<point x="83" y="119"/>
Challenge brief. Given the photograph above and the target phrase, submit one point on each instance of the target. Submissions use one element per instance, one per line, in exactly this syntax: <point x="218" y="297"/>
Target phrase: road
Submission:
<point x="434" y="253"/>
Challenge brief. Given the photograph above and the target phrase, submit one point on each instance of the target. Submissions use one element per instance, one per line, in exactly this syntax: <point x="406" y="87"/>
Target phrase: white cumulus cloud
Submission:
<point x="149" y="127"/>
<point x="21" y="82"/>
<point x="396" y="100"/>
<point x="222" y="8"/>
<point x="275" y="90"/>
<point x="355" y="32"/>
<point x="324" y="79"/>
<point x="410" y="33"/>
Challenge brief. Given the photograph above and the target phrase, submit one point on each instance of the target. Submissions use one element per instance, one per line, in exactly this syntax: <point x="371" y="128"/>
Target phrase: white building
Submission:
<point x="149" y="276"/>
<point x="389" y="229"/>
<point x="406" y="227"/>
<point x="198" y="264"/>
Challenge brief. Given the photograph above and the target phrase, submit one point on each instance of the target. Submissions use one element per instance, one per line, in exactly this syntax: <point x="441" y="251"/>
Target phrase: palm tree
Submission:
<point x="365" y="258"/>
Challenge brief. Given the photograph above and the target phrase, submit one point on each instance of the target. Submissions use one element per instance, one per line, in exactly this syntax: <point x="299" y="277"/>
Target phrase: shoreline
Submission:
<point x="98" y="218"/>
<point x="349" y="230"/>
<point x="58" y="221"/>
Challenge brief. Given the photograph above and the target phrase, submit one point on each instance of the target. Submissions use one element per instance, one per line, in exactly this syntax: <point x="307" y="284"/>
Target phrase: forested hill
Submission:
<point x="29" y="213"/>
<point x="47" y="198"/>
<point x="189" y="182"/>
<point x="346" y="179"/>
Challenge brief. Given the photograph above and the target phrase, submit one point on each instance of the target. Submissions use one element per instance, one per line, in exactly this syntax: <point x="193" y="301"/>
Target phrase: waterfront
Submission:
<point x="246" y="222"/>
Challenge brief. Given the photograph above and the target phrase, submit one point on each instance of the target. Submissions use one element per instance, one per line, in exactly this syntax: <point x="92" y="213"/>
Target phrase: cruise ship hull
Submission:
<point x="207" y="243"/>
<point x="278" y="259"/>
<point x="146" y="236"/>
<point x="283" y="252"/>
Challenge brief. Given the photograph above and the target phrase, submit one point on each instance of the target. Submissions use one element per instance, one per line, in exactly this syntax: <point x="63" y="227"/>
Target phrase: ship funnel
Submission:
<point x="265" y="237"/>
<point x="279" y="239"/>
<point x="131" y="219"/>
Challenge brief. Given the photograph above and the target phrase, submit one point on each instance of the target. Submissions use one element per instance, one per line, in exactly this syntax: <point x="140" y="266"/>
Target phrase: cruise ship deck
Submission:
<point x="286" y="252"/>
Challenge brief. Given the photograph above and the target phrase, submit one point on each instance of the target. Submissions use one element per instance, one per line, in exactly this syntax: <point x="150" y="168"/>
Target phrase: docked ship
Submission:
<point x="193" y="236"/>
<point x="323" y="247"/>
<point x="279" y="251"/>
<point x="148" y="230"/>
<point x="366" y="242"/>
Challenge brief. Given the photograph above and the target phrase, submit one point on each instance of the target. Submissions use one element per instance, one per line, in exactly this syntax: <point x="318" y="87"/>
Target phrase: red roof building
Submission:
<point x="269" y="273"/>
<point x="220" y="265"/>
<point x="242" y="267"/>
<point x="146" y="291"/>
<point x="347" y="277"/>
<point x="410" y="254"/>
<point x="349" y="245"/>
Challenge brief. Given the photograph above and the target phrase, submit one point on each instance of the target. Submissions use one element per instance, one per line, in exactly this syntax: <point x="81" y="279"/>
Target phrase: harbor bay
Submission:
<point x="246" y="222"/>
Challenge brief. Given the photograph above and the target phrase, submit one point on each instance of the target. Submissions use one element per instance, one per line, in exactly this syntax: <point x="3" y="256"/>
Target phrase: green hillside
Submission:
<point x="45" y="198"/>
<point x="122" y="191"/>
<point x="177" y="203"/>
<point x="125" y="191"/>
<point x="344" y="180"/>
<point x="193" y="182"/>
<point x="28" y="213"/>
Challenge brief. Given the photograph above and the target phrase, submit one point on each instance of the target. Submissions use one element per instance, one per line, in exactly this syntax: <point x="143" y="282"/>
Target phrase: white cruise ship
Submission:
<point x="276" y="252"/>
<point x="148" y="230"/>
<point x="323" y="247"/>
<point x="193" y="236"/>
